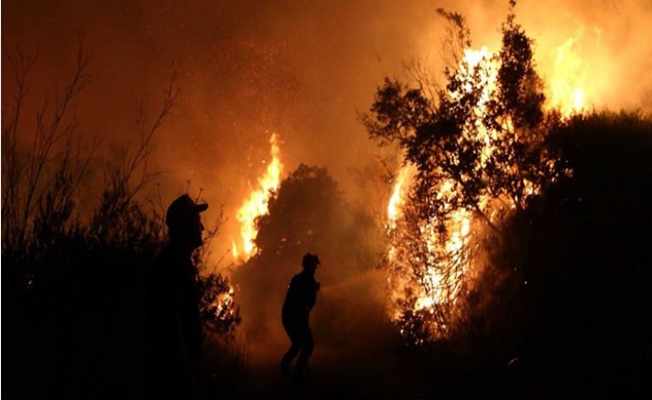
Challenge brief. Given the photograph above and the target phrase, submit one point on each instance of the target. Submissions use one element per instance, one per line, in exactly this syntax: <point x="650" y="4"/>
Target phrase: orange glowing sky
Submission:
<point x="300" y="69"/>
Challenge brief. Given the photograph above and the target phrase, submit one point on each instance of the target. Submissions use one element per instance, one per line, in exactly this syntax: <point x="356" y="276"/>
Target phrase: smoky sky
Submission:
<point x="302" y="69"/>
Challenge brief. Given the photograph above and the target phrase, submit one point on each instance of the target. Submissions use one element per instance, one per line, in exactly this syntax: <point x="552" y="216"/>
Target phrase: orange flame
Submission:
<point x="568" y="80"/>
<point x="397" y="198"/>
<point x="447" y="260"/>
<point x="256" y="204"/>
<point x="566" y="89"/>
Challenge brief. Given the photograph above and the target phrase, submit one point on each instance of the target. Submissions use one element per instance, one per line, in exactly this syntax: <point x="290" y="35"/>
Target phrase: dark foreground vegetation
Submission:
<point x="74" y="285"/>
<point x="570" y="307"/>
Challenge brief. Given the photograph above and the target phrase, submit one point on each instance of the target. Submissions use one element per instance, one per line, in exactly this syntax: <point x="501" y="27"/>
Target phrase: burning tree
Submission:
<point x="476" y="147"/>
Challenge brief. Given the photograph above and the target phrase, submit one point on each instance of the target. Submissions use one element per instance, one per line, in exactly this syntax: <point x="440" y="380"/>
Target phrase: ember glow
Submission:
<point x="256" y="204"/>
<point x="224" y="305"/>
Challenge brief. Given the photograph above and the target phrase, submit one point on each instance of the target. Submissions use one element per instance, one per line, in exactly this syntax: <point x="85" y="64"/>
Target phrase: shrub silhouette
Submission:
<point x="569" y="301"/>
<point x="73" y="289"/>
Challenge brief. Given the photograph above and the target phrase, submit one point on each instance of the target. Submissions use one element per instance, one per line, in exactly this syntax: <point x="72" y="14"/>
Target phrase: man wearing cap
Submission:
<point x="299" y="301"/>
<point x="174" y="328"/>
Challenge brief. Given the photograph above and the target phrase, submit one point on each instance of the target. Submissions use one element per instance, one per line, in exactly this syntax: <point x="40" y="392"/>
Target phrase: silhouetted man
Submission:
<point x="299" y="301"/>
<point x="174" y="328"/>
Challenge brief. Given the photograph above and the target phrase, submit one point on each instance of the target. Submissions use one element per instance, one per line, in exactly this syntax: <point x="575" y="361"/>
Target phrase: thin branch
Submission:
<point x="144" y="150"/>
<point x="48" y="134"/>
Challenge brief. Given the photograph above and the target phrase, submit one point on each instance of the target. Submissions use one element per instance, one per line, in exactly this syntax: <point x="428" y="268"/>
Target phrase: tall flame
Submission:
<point x="256" y="204"/>
<point x="444" y="261"/>
<point x="397" y="198"/>
<point x="568" y="80"/>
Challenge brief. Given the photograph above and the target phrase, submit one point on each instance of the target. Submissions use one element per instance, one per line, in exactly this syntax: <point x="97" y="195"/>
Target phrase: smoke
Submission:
<point x="300" y="69"/>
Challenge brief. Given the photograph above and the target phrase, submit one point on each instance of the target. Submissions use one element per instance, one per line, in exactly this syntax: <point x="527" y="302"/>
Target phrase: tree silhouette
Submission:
<point x="485" y="136"/>
<point x="307" y="214"/>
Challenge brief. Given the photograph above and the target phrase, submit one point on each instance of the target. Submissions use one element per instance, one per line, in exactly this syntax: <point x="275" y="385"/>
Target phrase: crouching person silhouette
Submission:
<point x="299" y="301"/>
<point x="174" y="337"/>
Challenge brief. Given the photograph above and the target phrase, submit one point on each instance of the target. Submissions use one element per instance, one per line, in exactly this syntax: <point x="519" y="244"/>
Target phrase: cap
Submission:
<point x="182" y="210"/>
<point x="310" y="260"/>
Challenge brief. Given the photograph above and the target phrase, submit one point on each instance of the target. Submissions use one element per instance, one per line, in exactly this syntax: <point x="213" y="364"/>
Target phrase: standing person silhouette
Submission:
<point x="299" y="301"/>
<point x="174" y="327"/>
